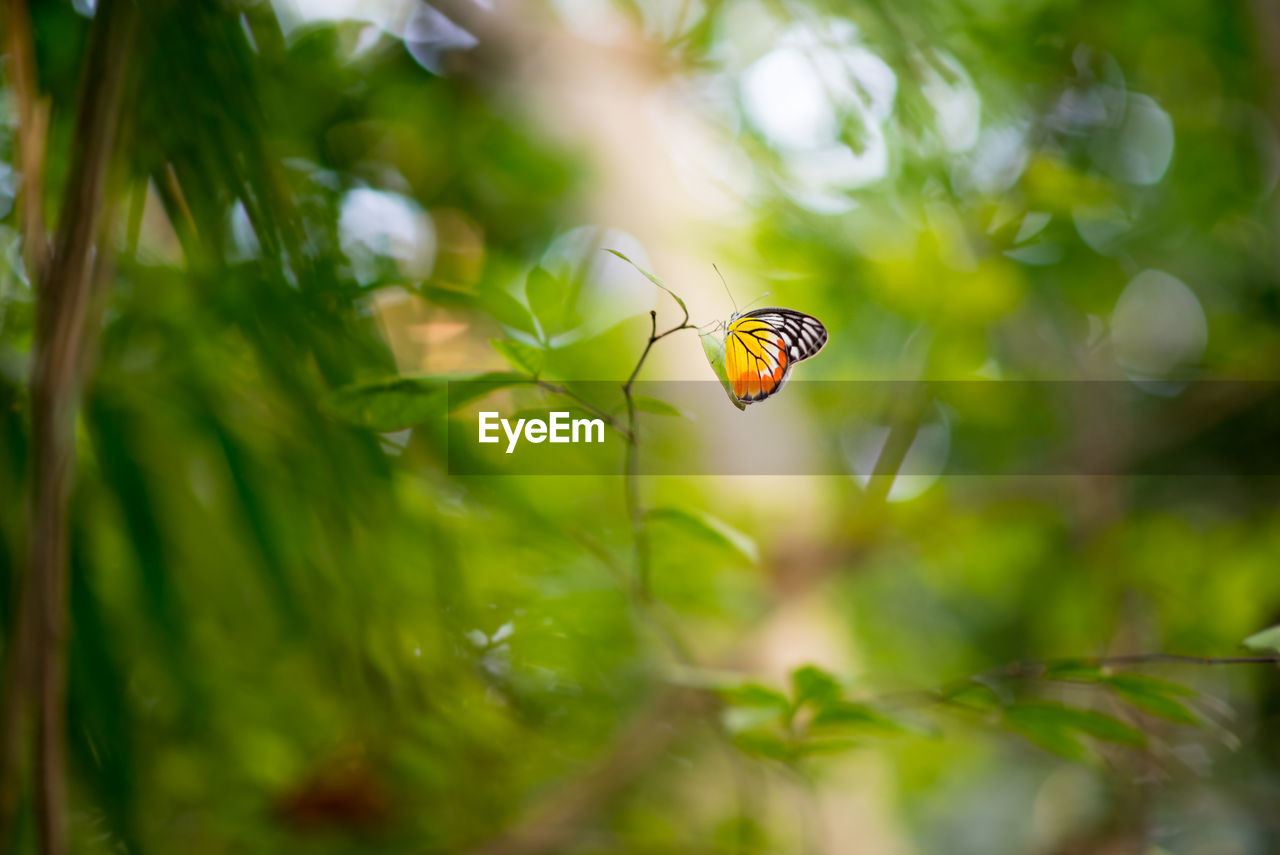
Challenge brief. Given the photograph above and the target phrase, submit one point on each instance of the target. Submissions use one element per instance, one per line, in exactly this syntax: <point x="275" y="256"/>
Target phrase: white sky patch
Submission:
<point x="426" y="32"/>
<point x="837" y="167"/>
<point x="429" y="35"/>
<point x="244" y="239"/>
<point x="787" y="101"/>
<point x="599" y="21"/>
<point x="875" y="79"/>
<point x="378" y="223"/>
<point x="956" y="102"/>
<point x="388" y="15"/>
<point x="802" y="96"/>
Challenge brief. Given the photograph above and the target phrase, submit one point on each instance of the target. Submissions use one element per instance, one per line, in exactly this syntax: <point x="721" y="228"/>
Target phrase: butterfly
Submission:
<point x="762" y="345"/>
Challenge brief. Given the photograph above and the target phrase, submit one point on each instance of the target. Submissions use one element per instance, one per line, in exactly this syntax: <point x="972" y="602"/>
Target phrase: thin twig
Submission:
<point x="606" y="417"/>
<point x="1034" y="669"/>
<point x="634" y="509"/>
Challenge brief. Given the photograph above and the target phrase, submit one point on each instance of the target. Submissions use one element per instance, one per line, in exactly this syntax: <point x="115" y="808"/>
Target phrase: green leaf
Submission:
<point x="713" y="347"/>
<point x="1157" y="697"/>
<point x="549" y="298"/>
<point x="739" y="719"/>
<point x="756" y="695"/>
<point x="448" y="295"/>
<point x="1143" y="683"/>
<point x="399" y="402"/>
<point x="763" y="743"/>
<point x="1073" y="670"/>
<point x="523" y="357"/>
<point x="1053" y="726"/>
<point x="507" y="310"/>
<point x="101" y="737"/>
<point x="391" y="404"/>
<point x="974" y="696"/>
<point x="1049" y="736"/>
<point x="1268" y="640"/>
<point x="822" y="745"/>
<point x="740" y="832"/>
<point x="472" y="388"/>
<point x="654" y="279"/>
<point x="710" y="529"/>
<point x="843" y="714"/>
<point x="653" y="405"/>
<point x="811" y="684"/>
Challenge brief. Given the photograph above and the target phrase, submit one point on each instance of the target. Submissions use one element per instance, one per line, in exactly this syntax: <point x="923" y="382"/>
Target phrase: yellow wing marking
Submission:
<point x="755" y="359"/>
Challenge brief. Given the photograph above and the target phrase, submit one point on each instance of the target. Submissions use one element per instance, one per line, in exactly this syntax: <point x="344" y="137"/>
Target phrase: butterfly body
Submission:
<point x="762" y="346"/>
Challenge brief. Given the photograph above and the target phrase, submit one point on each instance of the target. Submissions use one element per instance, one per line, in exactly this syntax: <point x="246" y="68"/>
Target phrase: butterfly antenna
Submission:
<point x="758" y="299"/>
<point x="726" y="288"/>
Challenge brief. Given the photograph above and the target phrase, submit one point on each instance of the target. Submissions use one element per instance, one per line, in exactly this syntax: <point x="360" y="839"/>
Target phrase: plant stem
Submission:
<point x="634" y="509"/>
<point x="556" y="389"/>
<point x="1032" y="669"/>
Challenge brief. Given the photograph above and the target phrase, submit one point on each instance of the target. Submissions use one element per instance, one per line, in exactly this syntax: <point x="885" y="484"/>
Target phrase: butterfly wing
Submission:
<point x="804" y="334"/>
<point x="762" y="345"/>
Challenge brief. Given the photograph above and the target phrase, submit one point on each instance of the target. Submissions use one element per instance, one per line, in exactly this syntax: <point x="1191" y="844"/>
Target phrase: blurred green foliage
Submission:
<point x="295" y="630"/>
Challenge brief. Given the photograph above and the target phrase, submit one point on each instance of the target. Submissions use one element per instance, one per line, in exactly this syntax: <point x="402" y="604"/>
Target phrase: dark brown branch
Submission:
<point x="66" y="311"/>
<point x="31" y="135"/>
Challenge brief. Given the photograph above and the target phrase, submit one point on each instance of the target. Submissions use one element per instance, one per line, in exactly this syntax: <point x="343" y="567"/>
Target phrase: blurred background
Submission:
<point x="294" y="630"/>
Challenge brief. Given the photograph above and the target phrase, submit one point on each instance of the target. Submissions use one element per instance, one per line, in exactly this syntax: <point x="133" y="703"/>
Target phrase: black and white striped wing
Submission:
<point x="804" y="334"/>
